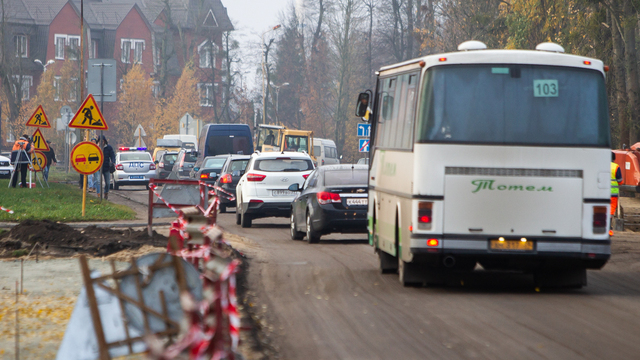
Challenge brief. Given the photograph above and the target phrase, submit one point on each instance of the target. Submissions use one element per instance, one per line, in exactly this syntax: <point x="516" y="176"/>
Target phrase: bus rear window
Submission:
<point x="514" y="104"/>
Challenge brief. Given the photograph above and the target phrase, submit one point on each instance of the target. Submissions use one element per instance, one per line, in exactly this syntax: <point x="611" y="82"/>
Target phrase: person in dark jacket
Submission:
<point x="20" y="155"/>
<point x="109" y="158"/>
<point x="51" y="158"/>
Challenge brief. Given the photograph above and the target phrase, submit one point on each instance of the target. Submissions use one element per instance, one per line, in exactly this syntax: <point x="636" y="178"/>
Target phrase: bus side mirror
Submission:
<point x="363" y="104"/>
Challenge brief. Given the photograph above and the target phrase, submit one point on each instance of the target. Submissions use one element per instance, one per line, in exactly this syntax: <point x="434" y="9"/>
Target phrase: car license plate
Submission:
<point x="283" y="193"/>
<point x="212" y="175"/>
<point x="512" y="245"/>
<point x="357" y="201"/>
<point x="5" y="172"/>
<point x="136" y="177"/>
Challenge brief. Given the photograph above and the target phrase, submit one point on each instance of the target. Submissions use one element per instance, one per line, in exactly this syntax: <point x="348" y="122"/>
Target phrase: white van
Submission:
<point x="325" y="151"/>
<point x="186" y="139"/>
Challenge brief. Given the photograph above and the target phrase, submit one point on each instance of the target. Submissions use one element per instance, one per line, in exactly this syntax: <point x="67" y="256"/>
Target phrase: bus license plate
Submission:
<point x="358" y="201"/>
<point x="283" y="193"/>
<point x="512" y="245"/>
<point x="136" y="177"/>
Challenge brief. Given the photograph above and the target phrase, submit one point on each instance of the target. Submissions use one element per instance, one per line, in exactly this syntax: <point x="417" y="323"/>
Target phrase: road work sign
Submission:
<point x="89" y="116"/>
<point x="39" y="118"/>
<point x="39" y="161"/>
<point x="86" y="157"/>
<point x="363" y="145"/>
<point x="39" y="143"/>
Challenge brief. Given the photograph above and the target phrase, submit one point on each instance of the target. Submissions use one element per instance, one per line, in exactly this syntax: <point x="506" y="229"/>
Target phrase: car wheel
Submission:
<point x="313" y="236"/>
<point x="295" y="234"/>
<point x="245" y="220"/>
<point x="223" y="208"/>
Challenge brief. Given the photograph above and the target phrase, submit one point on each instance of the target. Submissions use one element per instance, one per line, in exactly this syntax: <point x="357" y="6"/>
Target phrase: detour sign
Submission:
<point x="86" y="157"/>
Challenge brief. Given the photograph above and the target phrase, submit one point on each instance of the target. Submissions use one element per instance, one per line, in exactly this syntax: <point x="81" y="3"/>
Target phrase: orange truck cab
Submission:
<point x="627" y="159"/>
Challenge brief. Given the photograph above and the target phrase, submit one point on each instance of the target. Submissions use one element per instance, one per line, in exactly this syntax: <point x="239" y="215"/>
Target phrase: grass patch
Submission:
<point x="60" y="202"/>
<point x="59" y="174"/>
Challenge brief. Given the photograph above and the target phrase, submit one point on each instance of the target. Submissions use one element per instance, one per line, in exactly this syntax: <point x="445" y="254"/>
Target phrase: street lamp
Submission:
<point x="277" y="94"/>
<point x="265" y="65"/>
<point x="44" y="66"/>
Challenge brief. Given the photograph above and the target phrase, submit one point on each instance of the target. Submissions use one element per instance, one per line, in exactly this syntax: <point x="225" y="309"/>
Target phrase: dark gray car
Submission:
<point x="165" y="163"/>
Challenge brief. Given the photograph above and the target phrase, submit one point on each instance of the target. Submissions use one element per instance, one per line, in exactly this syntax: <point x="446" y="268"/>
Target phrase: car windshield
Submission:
<point x="345" y="177"/>
<point x="296" y="143"/>
<point x="284" y="164"/>
<point x="135" y="156"/>
<point x="170" y="158"/>
<point x="214" y="163"/>
<point x="514" y="104"/>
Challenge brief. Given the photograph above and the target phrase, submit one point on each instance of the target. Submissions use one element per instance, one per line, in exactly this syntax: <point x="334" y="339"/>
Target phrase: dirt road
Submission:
<point x="329" y="301"/>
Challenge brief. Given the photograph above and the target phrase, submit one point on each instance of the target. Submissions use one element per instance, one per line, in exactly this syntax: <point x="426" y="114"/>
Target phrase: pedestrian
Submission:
<point x="108" y="164"/>
<point x="20" y="154"/>
<point x="51" y="158"/>
<point x="96" y="175"/>
<point x="616" y="180"/>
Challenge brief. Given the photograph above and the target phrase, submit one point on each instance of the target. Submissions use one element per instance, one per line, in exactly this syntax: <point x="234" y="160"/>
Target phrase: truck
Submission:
<point x="280" y="138"/>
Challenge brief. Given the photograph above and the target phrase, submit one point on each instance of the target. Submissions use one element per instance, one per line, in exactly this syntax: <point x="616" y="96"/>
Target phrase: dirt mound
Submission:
<point x="58" y="239"/>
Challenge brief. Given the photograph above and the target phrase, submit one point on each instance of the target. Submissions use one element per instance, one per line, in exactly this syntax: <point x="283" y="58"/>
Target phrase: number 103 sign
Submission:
<point x="545" y="88"/>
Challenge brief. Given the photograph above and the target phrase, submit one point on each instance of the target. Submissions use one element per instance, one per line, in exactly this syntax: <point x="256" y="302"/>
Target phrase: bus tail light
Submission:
<point x="325" y="197"/>
<point x="425" y="215"/>
<point x="433" y="242"/>
<point x="599" y="219"/>
<point x="255" y="177"/>
<point x="226" y="179"/>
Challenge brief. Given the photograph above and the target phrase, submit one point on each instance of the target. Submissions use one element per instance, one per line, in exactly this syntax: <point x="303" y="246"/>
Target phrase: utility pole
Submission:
<point x="265" y="72"/>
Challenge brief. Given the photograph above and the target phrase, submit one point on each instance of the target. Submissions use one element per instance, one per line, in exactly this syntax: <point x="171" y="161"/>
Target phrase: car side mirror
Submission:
<point x="156" y="162"/>
<point x="294" y="187"/>
<point x="196" y="169"/>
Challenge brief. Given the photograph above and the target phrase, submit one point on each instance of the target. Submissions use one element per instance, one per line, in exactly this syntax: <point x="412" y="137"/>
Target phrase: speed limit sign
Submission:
<point x="39" y="161"/>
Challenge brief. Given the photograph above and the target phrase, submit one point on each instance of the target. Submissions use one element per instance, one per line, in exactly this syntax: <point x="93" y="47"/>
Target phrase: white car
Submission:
<point x="263" y="190"/>
<point x="5" y="168"/>
<point x="133" y="167"/>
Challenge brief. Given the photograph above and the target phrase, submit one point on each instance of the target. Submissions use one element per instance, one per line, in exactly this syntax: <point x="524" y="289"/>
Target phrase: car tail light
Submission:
<point x="425" y="215"/>
<point x="255" y="177"/>
<point x="305" y="176"/>
<point x="226" y="179"/>
<point x="599" y="219"/>
<point x="119" y="167"/>
<point x="161" y="165"/>
<point x="325" y="197"/>
<point x="255" y="201"/>
<point x="152" y="167"/>
<point x="204" y="176"/>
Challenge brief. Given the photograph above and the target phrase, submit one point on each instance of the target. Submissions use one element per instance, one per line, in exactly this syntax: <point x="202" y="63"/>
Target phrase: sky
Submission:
<point x="250" y="19"/>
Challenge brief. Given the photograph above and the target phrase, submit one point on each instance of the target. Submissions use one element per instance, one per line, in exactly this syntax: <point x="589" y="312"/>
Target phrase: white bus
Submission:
<point x="491" y="157"/>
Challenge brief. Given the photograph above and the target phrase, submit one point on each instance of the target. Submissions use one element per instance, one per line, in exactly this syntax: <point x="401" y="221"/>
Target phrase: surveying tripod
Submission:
<point x="18" y="163"/>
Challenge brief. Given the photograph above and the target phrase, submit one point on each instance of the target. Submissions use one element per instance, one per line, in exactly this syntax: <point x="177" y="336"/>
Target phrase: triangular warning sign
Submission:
<point x="89" y="116"/>
<point x="39" y="143"/>
<point x="39" y="118"/>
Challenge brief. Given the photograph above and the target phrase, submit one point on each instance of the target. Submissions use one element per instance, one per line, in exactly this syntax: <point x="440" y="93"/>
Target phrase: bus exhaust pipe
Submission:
<point x="449" y="261"/>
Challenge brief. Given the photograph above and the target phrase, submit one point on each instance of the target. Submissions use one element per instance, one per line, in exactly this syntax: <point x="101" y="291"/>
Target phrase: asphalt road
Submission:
<point x="329" y="301"/>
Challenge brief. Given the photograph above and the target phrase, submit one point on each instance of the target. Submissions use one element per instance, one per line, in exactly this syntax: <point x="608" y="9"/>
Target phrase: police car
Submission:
<point x="5" y="167"/>
<point x="133" y="167"/>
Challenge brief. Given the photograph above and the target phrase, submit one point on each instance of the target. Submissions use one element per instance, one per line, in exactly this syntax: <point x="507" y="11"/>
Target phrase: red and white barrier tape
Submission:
<point x="7" y="210"/>
<point x="229" y="196"/>
<point x="175" y="210"/>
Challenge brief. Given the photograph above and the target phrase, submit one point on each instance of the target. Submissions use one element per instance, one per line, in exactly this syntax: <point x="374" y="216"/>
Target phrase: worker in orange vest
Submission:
<point x="20" y="154"/>
<point x="616" y="180"/>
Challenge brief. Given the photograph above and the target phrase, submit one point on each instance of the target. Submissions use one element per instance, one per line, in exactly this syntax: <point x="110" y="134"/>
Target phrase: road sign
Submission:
<point x="71" y="138"/>
<point x="363" y="145"/>
<point x="39" y="142"/>
<point x="139" y="131"/>
<point x="140" y="143"/>
<point x="364" y="130"/>
<point x="108" y="83"/>
<point x="39" y="161"/>
<point x="39" y="118"/>
<point x="86" y="157"/>
<point x="89" y="116"/>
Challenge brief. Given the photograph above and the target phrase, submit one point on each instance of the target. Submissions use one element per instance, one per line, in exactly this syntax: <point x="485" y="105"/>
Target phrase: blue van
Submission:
<point x="220" y="139"/>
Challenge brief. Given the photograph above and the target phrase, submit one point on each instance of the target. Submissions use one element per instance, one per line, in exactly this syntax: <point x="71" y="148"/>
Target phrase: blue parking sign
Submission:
<point x="363" y="145"/>
<point x="364" y="130"/>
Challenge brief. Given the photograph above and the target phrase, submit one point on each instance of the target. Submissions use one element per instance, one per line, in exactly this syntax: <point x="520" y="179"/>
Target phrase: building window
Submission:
<point x="27" y="82"/>
<point x="207" y="54"/>
<point x="73" y="91"/>
<point x="206" y="94"/>
<point x="57" y="86"/>
<point x="157" y="54"/>
<point x="126" y="52"/>
<point x="137" y="52"/>
<point x="155" y="89"/>
<point x="21" y="46"/>
<point x="93" y="49"/>
<point x="60" y="44"/>
<point x="74" y="47"/>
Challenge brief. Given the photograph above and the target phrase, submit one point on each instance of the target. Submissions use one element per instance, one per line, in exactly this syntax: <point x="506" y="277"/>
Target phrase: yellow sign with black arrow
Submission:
<point x="39" y="143"/>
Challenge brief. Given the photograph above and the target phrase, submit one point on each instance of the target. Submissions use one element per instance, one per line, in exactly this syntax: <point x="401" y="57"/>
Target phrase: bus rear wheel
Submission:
<point x="409" y="274"/>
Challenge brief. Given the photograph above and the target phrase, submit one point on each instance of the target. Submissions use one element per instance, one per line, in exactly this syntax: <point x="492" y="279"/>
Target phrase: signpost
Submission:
<point x="140" y="133"/>
<point x="88" y="117"/>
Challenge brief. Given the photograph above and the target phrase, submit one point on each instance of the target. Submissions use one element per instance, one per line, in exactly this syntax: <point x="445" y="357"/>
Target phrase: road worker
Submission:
<point x="20" y="154"/>
<point x="616" y="181"/>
